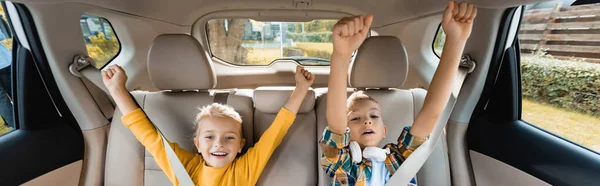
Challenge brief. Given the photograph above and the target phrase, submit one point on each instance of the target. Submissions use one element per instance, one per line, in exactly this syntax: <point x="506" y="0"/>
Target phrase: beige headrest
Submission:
<point x="381" y="62"/>
<point x="271" y="100"/>
<point x="178" y="62"/>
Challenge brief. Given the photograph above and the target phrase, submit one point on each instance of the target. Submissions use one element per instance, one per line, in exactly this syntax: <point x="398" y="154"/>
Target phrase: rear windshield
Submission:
<point x="250" y="42"/>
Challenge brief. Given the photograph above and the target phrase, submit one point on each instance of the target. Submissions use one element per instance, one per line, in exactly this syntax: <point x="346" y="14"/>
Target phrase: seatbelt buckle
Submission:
<point x="79" y="63"/>
<point x="467" y="62"/>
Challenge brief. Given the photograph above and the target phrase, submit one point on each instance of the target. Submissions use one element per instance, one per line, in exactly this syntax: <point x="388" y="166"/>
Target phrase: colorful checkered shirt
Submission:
<point x="337" y="162"/>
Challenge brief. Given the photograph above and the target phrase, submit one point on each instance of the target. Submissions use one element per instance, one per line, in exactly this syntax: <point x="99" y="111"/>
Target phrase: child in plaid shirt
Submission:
<point x="359" y="117"/>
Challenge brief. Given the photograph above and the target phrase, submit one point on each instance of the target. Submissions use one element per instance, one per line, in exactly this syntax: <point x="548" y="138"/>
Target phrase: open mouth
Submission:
<point x="219" y="154"/>
<point x="368" y="131"/>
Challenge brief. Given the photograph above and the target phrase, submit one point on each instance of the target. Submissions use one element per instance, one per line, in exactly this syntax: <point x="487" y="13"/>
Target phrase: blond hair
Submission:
<point x="216" y="110"/>
<point x="358" y="96"/>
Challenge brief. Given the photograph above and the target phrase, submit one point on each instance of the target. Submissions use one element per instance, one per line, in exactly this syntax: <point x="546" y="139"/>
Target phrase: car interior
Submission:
<point x="180" y="55"/>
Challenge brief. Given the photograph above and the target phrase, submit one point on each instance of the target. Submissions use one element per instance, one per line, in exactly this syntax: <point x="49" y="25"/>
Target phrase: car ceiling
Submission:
<point x="186" y="12"/>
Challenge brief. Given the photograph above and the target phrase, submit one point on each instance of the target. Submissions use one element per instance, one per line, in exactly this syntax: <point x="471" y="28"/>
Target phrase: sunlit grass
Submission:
<point x="579" y="128"/>
<point x="316" y="46"/>
<point x="264" y="56"/>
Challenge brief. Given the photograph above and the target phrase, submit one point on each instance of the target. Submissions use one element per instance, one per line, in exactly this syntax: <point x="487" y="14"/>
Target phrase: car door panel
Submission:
<point x="496" y="134"/>
<point x="47" y="143"/>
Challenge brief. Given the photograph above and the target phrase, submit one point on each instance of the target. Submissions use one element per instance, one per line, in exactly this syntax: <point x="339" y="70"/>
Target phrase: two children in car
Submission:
<point x="357" y="119"/>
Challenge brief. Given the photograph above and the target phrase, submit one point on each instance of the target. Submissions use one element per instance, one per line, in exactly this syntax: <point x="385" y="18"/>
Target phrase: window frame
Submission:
<point x="116" y="36"/>
<point x="435" y="38"/>
<point x="495" y="131"/>
<point x="519" y="90"/>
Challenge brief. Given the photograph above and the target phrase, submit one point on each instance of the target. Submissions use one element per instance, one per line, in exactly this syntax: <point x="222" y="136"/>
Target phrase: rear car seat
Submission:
<point x="181" y="69"/>
<point x="380" y="67"/>
<point x="292" y="162"/>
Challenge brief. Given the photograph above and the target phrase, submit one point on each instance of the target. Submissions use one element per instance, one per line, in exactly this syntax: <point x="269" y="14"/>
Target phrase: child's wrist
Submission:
<point x="117" y="89"/>
<point x="302" y="88"/>
<point x="455" y="40"/>
<point x="340" y="61"/>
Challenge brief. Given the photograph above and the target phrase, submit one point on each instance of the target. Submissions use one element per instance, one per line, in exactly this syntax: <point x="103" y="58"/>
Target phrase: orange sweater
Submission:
<point x="244" y="170"/>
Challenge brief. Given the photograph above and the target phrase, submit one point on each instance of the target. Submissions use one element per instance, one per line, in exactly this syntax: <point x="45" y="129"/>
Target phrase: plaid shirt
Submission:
<point x="337" y="162"/>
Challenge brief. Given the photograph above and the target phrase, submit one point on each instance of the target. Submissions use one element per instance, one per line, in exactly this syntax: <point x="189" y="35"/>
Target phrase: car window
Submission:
<point x="100" y="39"/>
<point x="560" y="71"/>
<point x="250" y="42"/>
<point x="438" y="41"/>
<point x="7" y="122"/>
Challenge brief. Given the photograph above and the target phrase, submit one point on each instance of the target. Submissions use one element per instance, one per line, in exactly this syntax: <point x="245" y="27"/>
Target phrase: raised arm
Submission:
<point x="348" y="35"/>
<point x="304" y="80"/>
<point x="114" y="79"/>
<point x="457" y="22"/>
<point x="255" y="160"/>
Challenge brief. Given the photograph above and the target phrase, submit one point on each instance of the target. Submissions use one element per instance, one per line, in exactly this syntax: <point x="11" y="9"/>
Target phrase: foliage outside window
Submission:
<point x="100" y="40"/>
<point x="438" y="43"/>
<point x="560" y="71"/>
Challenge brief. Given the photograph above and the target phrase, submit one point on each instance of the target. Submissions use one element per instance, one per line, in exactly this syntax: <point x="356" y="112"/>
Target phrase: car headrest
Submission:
<point x="381" y="62"/>
<point x="178" y="62"/>
<point x="271" y="99"/>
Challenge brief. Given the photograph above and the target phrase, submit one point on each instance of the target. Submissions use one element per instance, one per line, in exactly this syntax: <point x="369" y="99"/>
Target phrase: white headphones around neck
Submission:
<point x="373" y="153"/>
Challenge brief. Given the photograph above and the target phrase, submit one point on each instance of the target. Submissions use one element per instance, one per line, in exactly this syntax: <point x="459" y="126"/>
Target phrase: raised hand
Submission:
<point x="114" y="78"/>
<point x="458" y="20"/>
<point x="349" y="33"/>
<point x="304" y="79"/>
<point x="457" y="23"/>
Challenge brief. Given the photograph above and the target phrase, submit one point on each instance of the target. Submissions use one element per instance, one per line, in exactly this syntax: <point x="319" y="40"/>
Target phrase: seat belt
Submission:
<point x="409" y="168"/>
<point x="102" y="101"/>
<point x="181" y="174"/>
<point x="221" y="97"/>
<point x="80" y="62"/>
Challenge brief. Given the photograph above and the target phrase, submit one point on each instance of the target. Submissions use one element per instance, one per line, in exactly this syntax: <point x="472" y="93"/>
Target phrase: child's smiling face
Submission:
<point x="365" y="123"/>
<point x="219" y="140"/>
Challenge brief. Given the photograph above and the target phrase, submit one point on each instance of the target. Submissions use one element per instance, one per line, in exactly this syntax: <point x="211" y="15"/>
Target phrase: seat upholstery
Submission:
<point x="291" y="163"/>
<point x="385" y="57"/>
<point x="171" y="110"/>
<point x="169" y="54"/>
<point x="381" y="62"/>
<point x="296" y="160"/>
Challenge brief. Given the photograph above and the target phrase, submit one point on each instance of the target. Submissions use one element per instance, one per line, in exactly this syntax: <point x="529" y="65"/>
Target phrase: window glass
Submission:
<point x="250" y="42"/>
<point x="438" y="41"/>
<point x="7" y="123"/>
<point x="560" y="70"/>
<point x="100" y="40"/>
